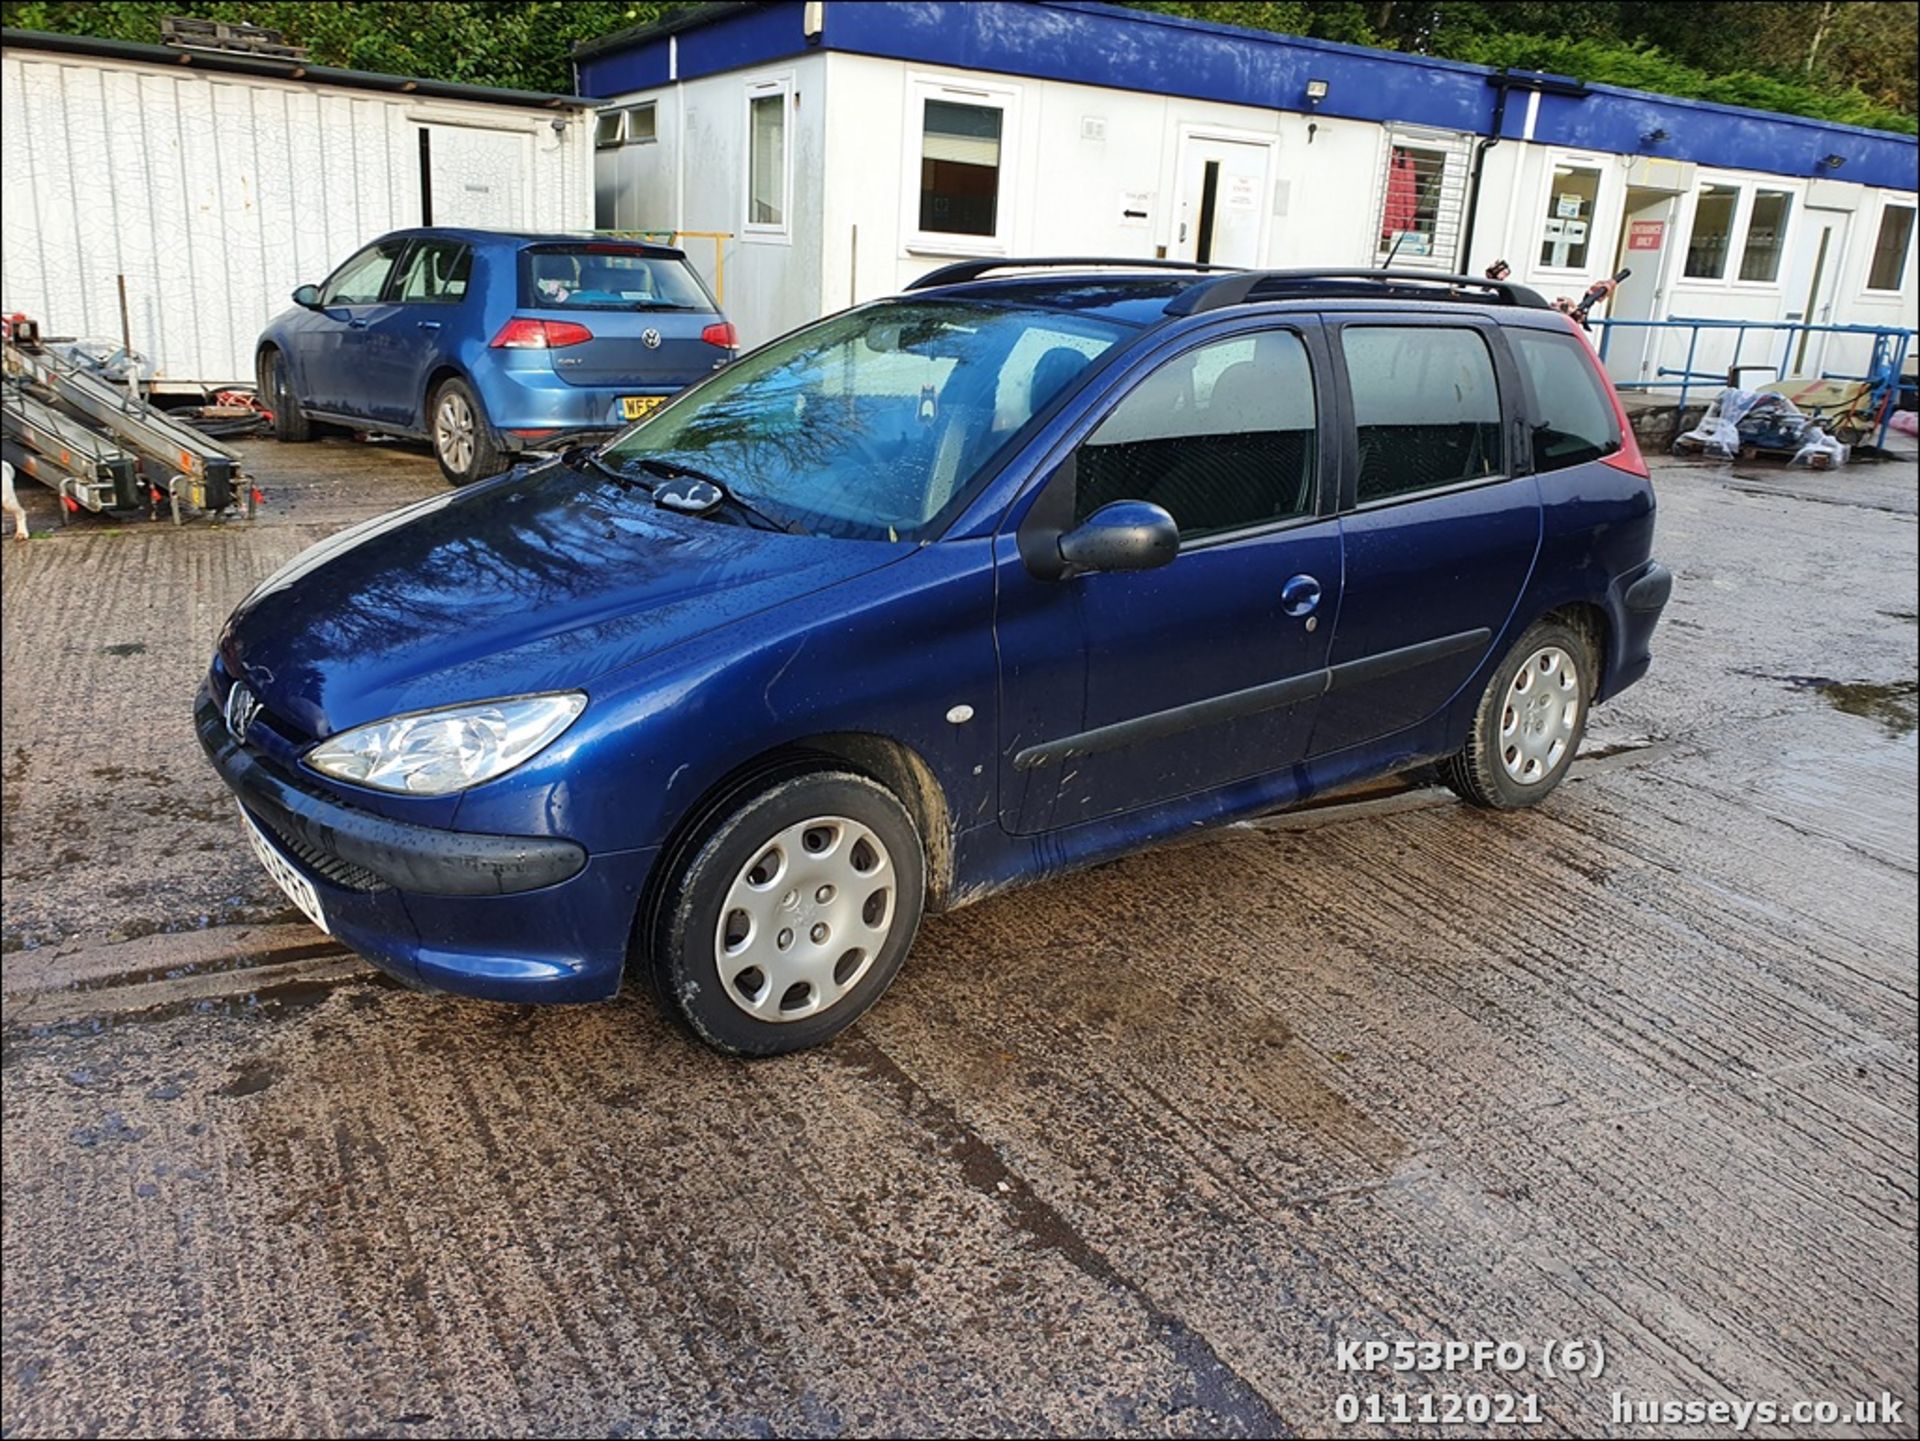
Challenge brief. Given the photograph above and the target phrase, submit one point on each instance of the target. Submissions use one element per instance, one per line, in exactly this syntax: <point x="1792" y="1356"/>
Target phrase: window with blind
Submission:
<point x="767" y="157"/>
<point x="1766" y="235"/>
<point x="960" y="168"/>
<point x="1711" y="239"/>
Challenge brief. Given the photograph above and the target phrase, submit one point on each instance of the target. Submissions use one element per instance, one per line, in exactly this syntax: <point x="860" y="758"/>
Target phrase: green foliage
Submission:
<point x="1844" y="60"/>
<point x="522" y="46"/>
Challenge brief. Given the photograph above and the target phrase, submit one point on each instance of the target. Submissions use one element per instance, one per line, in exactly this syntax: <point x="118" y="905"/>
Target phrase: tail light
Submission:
<point x="1627" y="457"/>
<point x="522" y="333"/>
<point x="721" y="334"/>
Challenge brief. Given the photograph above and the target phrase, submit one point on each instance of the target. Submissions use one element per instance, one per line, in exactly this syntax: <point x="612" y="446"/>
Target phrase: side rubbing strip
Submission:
<point x="1157" y="725"/>
<point x="1374" y="667"/>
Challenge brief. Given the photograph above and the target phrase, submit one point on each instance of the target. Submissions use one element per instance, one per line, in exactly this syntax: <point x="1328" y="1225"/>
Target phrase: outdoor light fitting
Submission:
<point x="1653" y="137"/>
<point x="1316" y="92"/>
<point x="1832" y="162"/>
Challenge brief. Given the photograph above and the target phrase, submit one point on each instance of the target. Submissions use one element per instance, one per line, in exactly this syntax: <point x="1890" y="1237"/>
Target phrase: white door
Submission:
<point x="1223" y="201"/>
<point x="1811" y="284"/>
<point x="477" y="177"/>
<point x="1646" y="243"/>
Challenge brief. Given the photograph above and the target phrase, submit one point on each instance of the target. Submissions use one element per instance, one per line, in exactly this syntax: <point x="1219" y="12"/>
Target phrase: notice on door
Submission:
<point x="1243" y="192"/>
<point x="1646" y="234"/>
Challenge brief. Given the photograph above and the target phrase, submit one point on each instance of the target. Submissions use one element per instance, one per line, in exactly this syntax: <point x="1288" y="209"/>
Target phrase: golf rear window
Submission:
<point x="607" y="277"/>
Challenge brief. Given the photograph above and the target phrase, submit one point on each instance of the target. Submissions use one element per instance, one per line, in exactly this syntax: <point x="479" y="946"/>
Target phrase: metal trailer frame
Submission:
<point x="160" y="454"/>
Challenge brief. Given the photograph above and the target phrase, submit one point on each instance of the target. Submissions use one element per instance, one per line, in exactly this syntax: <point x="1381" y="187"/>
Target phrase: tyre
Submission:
<point x="1528" y="724"/>
<point x="788" y="912"/>
<point x="276" y="393"/>
<point x="463" y="441"/>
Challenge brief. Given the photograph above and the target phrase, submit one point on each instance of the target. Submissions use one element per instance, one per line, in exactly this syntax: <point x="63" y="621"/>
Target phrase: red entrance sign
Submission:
<point x="1646" y="234"/>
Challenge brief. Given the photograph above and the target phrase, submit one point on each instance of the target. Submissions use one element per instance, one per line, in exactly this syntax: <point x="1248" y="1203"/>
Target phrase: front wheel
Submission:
<point x="789" y="913"/>
<point x="463" y="441"/>
<point x="1529" y="721"/>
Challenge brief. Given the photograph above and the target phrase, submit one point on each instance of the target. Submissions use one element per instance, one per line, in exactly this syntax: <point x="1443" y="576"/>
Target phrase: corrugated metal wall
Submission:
<point x="217" y="195"/>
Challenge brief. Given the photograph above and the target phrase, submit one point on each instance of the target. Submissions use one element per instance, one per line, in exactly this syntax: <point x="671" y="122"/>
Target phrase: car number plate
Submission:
<point x="639" y="407"/>
<point x="298" y="888"/>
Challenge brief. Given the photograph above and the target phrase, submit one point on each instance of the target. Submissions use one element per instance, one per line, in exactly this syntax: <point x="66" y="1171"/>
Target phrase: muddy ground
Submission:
<point x="1132" y="1152"/>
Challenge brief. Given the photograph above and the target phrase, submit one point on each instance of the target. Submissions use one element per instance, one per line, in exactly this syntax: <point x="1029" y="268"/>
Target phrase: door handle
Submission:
<point x="1300" y="595"/>
<point x="356" y="324"/>
<point x="428" y="324"/>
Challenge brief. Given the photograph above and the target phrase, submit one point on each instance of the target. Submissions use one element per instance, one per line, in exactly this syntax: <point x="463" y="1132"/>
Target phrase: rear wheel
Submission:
<point x="1529" y="722"/>
<point x="276" y="393"/>
<point x="789" y="912"/>
<point x="463" y="441"/>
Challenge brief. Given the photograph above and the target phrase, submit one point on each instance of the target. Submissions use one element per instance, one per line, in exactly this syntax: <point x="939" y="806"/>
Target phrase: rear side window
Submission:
<point x="1426" y="405"/>
<point x="1221" y="438"/>
<point x="607" y="277"/>
<point x="435" y="273"/>
<point x="1573" y="419"/>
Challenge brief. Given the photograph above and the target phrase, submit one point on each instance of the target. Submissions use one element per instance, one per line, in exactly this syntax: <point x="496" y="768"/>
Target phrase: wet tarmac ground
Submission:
<point x="1131" y="1152"/>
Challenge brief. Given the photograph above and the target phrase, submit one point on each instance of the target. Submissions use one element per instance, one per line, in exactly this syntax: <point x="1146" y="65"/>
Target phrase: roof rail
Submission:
<point x="965" y="270"/>
<point x="1251" y="285"/>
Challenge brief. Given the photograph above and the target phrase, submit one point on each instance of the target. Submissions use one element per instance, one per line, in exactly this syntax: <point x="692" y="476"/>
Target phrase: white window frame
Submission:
<point x="1743" y="222"/>
<point x="1742" y="188"/>
<point x="1536" y="227"/>
<point x="1892" y="202"/>
<point x="761" y="88"/>
<point x="1005" y="99"/>
<point x="617" y="114"/>
<point x="627" y="137"/>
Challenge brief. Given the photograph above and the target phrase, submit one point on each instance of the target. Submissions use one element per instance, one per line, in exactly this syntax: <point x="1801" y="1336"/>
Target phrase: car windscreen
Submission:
<point x="875" y="423"/>
<point x="594" y="276"/>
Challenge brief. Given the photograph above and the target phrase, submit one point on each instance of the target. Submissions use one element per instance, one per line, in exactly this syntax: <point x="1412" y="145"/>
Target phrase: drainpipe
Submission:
<point x="1504" y="82"/>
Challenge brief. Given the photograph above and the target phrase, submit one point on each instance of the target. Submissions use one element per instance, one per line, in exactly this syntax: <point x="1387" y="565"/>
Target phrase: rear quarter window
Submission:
<point x="604" y="277"/>
<point x="1573" y="418"/>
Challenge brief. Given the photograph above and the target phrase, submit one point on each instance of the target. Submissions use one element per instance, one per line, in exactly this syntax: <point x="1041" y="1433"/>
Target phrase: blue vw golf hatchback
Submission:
<point x="487" y="343"/>
<point x="1024" y="569"/>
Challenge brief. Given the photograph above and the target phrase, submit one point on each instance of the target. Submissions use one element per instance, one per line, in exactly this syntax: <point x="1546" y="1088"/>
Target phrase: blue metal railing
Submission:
<point x="1891" y="346"/>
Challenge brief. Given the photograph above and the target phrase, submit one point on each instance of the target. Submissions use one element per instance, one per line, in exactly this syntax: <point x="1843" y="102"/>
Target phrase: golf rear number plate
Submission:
<point x="298" y="888"/>
<point x="639" y="407"/>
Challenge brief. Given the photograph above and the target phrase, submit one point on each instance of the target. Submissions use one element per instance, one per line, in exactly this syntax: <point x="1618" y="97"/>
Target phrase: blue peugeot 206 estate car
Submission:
<point x="944" y="593"/>
<point x="488" y="344"/>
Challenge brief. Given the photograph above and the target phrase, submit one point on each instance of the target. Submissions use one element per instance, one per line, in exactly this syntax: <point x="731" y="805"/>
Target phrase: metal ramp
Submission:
<point x="104" y="447"/>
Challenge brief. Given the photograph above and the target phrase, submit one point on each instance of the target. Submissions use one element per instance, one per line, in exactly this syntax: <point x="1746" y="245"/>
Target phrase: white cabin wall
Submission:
<point x="215" y="194"/>
<point x="694" y="178"/>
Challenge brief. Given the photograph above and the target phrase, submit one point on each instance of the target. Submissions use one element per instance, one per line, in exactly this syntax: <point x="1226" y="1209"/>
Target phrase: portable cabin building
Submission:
<point x="216" y="181"/>
<point x="844" y="148"/>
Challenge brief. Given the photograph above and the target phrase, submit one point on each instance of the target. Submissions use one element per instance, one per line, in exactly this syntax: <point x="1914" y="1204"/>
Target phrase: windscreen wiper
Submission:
<point x="586" y="457"/>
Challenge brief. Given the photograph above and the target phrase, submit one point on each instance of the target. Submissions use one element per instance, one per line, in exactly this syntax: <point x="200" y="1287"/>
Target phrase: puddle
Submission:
<point x="1894" y="704"/>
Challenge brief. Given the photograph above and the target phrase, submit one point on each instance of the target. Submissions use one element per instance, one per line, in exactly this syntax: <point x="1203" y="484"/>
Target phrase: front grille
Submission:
<point x="329" y="867"/>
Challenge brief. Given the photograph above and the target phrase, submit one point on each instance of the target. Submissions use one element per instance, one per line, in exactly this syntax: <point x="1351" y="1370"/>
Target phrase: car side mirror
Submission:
<point x="1123" y="535"/>
<point x="307" y="297"/>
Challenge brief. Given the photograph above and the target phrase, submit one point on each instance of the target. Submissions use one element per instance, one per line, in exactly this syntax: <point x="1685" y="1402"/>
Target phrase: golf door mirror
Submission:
<point x="307" y="297"/>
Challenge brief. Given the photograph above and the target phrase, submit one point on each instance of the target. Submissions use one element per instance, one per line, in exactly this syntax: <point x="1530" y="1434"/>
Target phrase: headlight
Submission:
<point x="441" y="751"/>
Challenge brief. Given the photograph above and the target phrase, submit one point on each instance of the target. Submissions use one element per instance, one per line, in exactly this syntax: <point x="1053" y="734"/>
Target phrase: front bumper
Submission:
<point x="509" y="918"/>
